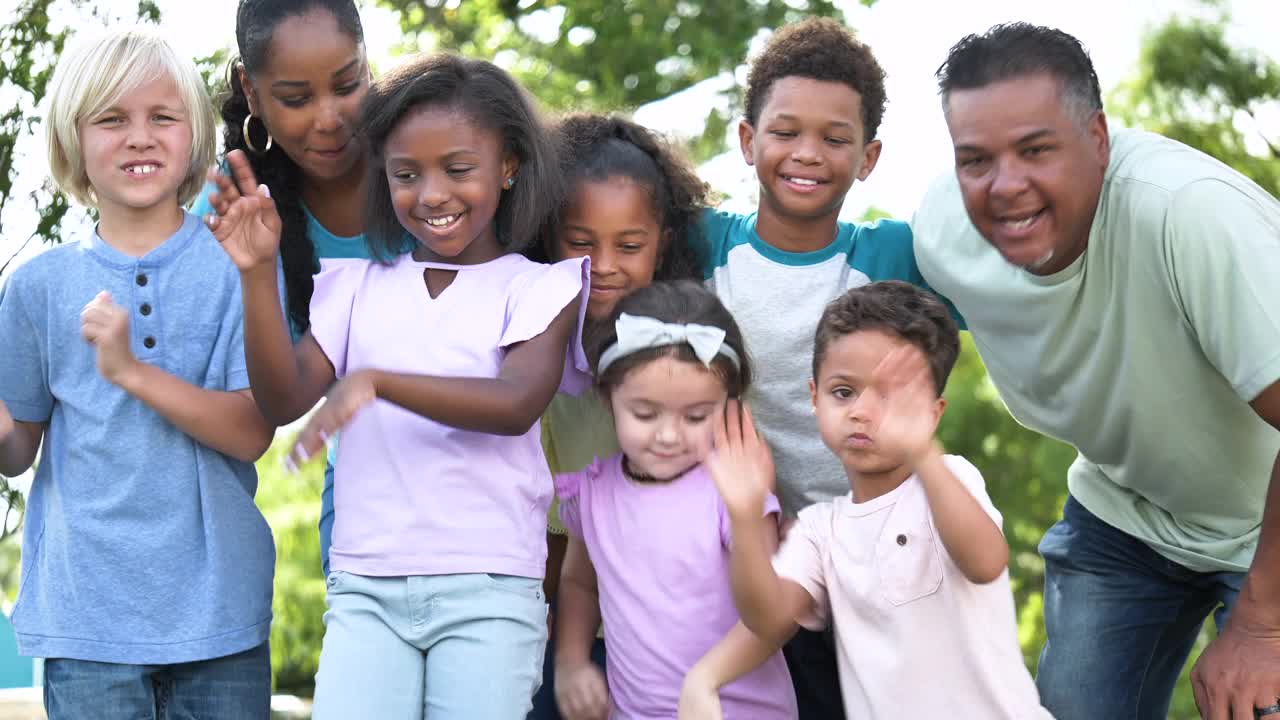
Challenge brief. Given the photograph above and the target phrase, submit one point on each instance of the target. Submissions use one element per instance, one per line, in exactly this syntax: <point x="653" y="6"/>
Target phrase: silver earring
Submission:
<point x="510" y="183"/>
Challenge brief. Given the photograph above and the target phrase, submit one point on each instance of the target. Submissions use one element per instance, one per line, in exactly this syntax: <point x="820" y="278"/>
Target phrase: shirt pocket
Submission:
<point x="196" y="360"/>
<point x="908" y="564"/>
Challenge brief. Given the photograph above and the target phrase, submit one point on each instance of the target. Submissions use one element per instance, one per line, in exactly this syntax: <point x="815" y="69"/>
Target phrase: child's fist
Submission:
<point x="581" y="692"/>
<point x="105" y="326"/>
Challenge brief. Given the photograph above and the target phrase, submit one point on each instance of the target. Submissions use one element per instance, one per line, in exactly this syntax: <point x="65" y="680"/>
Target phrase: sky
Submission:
<point x="916" y="144"/>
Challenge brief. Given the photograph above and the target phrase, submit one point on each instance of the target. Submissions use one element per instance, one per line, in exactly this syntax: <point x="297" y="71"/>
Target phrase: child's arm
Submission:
<point x="228" y="422"/>
<point x="743" y="471"/>
<point x="738" y="653"/>
<point x="580" y="688"/>
<point x="19" y="443"/>
<point x="506" y="405"/>
<point x="287" y="380"/>
<point x="970" y="536"/>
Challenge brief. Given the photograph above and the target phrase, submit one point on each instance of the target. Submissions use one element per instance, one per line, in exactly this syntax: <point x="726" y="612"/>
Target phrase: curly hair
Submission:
<point x="1018" y="49"/>
<point x="681" y="302"/>
<point x="595" y="148"/>
<point x="256" y="22"/>
<point x="486" y="95"/>
<point x="819" y="49"/>
<point x="901" y="309"/>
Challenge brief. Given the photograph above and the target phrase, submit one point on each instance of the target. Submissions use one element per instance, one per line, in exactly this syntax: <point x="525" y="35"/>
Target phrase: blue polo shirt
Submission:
<point x="141" y="545"/>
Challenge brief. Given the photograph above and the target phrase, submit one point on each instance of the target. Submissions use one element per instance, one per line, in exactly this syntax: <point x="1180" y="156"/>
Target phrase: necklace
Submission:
<point x="636" y="476"/>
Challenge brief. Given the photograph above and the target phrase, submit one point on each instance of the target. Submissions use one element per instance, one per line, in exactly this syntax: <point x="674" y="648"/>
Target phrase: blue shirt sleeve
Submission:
<point x="24" y="377"/>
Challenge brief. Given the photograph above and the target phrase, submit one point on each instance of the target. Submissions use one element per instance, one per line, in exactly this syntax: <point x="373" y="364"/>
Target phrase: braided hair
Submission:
<point x="256" y="21"/>
<point x="595" y="148"/>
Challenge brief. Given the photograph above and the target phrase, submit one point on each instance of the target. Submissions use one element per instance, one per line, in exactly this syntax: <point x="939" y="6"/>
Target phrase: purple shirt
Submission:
<point x="414" y="496"/>
<point x="661" y="555"/>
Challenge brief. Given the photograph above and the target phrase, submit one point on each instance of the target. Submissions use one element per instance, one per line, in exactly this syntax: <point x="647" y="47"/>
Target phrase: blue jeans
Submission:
<point x="544" y="702"/>
<point x="450" y="647"/>
<point x="1120" y="620"/>
<point x="236" y="687"/>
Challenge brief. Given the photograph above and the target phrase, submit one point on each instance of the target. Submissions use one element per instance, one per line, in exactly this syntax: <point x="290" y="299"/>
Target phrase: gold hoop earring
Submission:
<point x="244" y="131"/>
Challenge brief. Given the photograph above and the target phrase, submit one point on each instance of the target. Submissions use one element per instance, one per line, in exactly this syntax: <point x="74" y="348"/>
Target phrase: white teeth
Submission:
<point x="141" y="169"/>
<point x="441" y="221"/>
<point x="1023" y="223"/>
<point x="803" y="181"/>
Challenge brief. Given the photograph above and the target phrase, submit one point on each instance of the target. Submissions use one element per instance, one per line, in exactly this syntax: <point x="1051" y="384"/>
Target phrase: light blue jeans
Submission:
<point x="444" y="647"/>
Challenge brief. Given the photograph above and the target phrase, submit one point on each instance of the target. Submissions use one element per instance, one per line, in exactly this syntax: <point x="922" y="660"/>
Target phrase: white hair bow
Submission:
<point x="637" y="332"/>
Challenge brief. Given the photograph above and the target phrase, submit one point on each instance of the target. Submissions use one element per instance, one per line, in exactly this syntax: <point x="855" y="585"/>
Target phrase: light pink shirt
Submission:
<point x="914" y="637"/>
<point x="660" y="551"/>
<point x="413" y="496"/>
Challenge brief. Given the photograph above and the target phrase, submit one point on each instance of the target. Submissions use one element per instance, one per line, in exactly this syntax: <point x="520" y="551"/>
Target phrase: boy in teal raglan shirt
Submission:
<point x="815" y="97"/>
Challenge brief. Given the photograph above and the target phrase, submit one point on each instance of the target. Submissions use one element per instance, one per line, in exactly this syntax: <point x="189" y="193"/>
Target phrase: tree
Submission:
<point x="1192" y="86"/>
<point x="605" y="55"/>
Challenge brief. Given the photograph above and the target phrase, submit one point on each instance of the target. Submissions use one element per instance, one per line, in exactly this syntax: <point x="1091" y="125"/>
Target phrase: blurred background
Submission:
<point x="1205" y="73"/>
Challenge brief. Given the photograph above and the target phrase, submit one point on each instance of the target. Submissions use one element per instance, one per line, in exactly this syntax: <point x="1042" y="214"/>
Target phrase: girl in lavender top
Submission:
<point x="444" y="357"/>
<point x="649" y="535"/>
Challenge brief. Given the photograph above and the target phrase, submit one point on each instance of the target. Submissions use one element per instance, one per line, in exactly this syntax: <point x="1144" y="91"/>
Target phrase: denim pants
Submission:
<point x="1120" y="619"/>
<point x="235" y="687"/>
<point x="444" y="647"/>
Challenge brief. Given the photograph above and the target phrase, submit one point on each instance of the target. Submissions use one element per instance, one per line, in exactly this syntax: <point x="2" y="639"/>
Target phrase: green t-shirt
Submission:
<point x="1145" y="352"/>
<point x="575" y="431"/>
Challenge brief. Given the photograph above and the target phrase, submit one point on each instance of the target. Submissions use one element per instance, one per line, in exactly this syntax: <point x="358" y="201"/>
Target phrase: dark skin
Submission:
<point x="808" y="147"/>
<point x="308" y="96"/>
<point x="294" y="378"/>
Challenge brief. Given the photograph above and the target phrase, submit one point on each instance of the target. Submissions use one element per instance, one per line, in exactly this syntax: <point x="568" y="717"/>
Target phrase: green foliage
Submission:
<point x="291" y="504"/>
<point x="1192" y="86"/>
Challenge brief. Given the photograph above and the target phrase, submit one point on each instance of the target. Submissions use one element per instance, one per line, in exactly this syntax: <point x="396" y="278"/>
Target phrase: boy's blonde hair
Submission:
<point x="94" y="74"/>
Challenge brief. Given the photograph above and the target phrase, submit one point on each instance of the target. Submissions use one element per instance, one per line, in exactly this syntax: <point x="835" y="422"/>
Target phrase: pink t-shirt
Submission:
<point x="914" y="637"/>
<point x="413" y="496"/>
<point x="661" y="555"/>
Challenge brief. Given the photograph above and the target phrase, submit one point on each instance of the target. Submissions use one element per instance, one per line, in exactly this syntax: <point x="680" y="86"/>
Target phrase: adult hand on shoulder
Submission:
<point x="581" y="692"/>
<point x="105" y="326"/>
<point x="741" y="463"/>
<point x="908" y="419"/>
<point x="247" y="226"/>
<point x="346" y="398"/>
<point x="1240" y="670"/>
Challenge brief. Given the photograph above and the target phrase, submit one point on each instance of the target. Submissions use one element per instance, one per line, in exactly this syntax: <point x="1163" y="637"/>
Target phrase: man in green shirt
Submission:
<point x="1124" y="292"/>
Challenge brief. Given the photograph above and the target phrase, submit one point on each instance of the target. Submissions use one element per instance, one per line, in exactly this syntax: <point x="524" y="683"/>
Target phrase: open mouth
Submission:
<point x="1019" y="223"/>
<point x="141" y="169"/>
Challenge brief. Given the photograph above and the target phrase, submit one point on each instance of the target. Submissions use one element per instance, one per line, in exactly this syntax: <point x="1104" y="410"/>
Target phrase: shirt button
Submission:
<point x="150" y="342"/>
<point x="141" y="280"/>
<point x="902" y="539"/>
<point x="145" y="309"/>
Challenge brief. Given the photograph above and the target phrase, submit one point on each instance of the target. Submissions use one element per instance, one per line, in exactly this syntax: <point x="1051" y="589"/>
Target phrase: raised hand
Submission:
<point x="741" y="464"/>
<point x="910" y="414"/>
<point x="343" y="401"/>
<point x="247" y="226"/>
<point x="581" y="692"/>
<point x="105" y="326"/>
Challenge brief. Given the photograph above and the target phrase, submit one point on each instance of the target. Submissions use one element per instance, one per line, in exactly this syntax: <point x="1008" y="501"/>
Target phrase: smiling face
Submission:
<point x="613" y="222"/>
<point x="807" y="147"/>
<point x="446" y="174"/>
<point x="309" y="93"/>
<point x="662" y="411"/>
<point x="849" y="407"/>
<point x="137" y="152"/>
<point x="1030" y="170"/>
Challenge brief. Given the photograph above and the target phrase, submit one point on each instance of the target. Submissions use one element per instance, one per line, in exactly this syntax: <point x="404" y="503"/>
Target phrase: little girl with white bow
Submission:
<point x="649" y="534"/>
